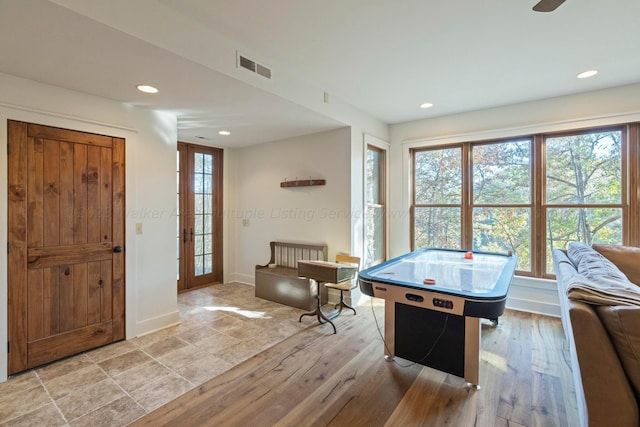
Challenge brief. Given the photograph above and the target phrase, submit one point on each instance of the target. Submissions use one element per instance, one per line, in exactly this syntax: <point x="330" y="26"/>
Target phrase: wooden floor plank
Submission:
<point x="316" y="378"/>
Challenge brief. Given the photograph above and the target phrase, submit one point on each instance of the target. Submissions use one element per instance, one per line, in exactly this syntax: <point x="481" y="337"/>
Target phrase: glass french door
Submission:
<point x="199" y="219"/>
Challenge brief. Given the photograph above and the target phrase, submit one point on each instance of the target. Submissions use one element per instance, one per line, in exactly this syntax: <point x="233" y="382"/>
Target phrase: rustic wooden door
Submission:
<point x="199" y="204"/>
<point x="66" y="243"/>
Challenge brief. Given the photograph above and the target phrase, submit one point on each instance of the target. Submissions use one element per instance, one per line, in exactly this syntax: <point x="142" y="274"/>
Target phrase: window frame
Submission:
<point x="382" y="198"/>
<point x="630" y="188"/>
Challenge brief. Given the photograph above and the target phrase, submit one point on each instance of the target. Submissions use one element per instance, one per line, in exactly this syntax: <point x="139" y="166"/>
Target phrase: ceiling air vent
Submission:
<point x="253" y="66"/>
<point x="248" y="64"/>
<point x="263" y="71"/>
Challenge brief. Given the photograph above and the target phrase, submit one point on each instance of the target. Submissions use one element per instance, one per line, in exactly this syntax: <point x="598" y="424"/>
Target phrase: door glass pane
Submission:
<point x="198" y="183"/>
<point x="207" y="221"/>
<point x="208" y="264"/>
<point x="199" y="265"/>
<point x="207" y="164"/>
<point x="197" y="167"/>
<point x="203" y="200"/>
<point x="199" y="204"/>
<point x="199" y="245"/>
<point x="199" y="223"/>
<point x="437" y="228"/>
<point x="502" y="230"/>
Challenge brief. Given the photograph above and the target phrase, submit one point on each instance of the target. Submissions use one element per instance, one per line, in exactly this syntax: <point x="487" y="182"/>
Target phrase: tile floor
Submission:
<point x="221" y="326"/>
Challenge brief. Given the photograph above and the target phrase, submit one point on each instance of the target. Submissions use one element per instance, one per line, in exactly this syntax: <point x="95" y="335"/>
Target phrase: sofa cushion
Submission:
<point x="626" y="258"/>
<point x="623" y="325"/>
<point x="597" y="280"/>
<point x="593" y="264"/>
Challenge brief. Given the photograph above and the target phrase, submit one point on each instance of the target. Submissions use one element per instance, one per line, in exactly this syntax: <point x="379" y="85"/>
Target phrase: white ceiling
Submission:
<point x="383" y="57"/>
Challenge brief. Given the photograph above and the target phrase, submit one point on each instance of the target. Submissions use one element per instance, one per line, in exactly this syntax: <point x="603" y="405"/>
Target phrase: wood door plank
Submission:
<point x="118" y="290"/>
<point x="35" y="311"/>
<point x="72" y="254"/>
<point x="106" y="307"/>
<point x="48" y="132"/>
<point x="93" y="195"/>
<point x="66" y="344"/>
<point x="66" y="194"/>
<point x="51" y="300"/>
<point x="35" y="160"/>
<point x="65" y="275"/>
<point x="17" y="239"/>
<point x="80" y="295"/>
<point x="94" y="292"/>
<point x="51" y="193"/>
<point x="106" y="196"/>
<point x="79" y="194"/>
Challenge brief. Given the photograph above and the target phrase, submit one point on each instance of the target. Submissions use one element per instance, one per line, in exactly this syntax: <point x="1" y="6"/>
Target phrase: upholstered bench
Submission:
<point x="278" y="280"/>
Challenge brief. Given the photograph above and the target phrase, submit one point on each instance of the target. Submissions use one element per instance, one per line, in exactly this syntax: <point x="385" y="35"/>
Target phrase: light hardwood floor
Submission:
<point x="316" y="378"/>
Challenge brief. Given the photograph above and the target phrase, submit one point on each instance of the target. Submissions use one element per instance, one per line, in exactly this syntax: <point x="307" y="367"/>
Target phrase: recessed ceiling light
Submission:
<point x="587" y="74"/>
<point x="426" y="105"/>
<point x="224" y="132"/>
<point x="147" y="89"/>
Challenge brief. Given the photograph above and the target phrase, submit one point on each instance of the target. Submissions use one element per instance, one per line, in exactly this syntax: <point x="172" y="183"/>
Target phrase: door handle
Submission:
<point x="192" y="234"/>
<point x="184" y="235"/>
<point x="118" y="249"/>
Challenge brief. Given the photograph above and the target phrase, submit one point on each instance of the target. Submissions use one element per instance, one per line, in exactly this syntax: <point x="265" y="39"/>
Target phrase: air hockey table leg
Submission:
<point x="389" y="330"/>
<point x="472" y="352"/>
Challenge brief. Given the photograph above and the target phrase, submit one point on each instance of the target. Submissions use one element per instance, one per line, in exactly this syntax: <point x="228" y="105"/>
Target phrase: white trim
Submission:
<point x="154" y="324"/>
<point x="531" y="306"/>
<point x="245" y="279"/>
<point x="67" y="117"/>
<point x="372" y="140"/>
<point x="565" y="125"/>
<point x="386" y="147"/>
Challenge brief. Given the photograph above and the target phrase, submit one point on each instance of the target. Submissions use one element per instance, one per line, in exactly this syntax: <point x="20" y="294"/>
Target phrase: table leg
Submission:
<point x="472" y="351"/>
<point x="322" y="318"/>
<point x="389" y="330"/>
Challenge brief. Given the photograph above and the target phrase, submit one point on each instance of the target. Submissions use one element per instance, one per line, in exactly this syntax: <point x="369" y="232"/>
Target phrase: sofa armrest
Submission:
<point x="608" y="396"/>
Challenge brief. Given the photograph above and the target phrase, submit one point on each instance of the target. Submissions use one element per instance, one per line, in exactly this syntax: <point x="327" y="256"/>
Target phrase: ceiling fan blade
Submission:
<point x="547" y="5"/>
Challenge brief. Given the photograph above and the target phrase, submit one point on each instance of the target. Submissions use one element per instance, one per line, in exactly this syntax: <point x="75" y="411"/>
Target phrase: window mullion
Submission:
<point x="467" y="208"/>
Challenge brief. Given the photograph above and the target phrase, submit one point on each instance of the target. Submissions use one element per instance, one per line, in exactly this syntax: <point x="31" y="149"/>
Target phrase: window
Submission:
<point x="375" y="218"/>
<point x="501" y="199"/>
<point x="528" y="195"/>
<point x="437" y="198"/>
<point x="584" y="180"/>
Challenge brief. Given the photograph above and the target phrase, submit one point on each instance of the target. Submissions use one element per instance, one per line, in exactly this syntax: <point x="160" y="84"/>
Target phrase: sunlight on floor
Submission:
<point x="246" y="313"/>
<point x="495" y="360"/>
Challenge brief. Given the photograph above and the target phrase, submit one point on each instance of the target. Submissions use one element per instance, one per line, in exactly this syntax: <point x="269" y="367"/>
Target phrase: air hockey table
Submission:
<point x="434" y="300"/>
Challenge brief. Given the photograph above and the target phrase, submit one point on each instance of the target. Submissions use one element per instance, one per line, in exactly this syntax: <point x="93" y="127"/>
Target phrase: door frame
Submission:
<point x="186" y="281"/>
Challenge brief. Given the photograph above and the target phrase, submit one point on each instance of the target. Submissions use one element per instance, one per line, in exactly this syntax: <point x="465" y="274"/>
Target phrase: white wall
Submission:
<point x="318" y="214"/>
<point x="598" y="108"/>
<point x="150" y="179"/>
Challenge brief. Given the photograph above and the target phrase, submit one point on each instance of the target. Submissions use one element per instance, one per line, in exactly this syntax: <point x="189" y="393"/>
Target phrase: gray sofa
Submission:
<point x="600" y="310"/>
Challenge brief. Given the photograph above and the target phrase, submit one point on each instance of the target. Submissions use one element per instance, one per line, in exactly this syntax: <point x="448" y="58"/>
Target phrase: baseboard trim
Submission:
<point x="154" y="324"/>
<point x="530" y="306"/>
<point x="247" y="279"/>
